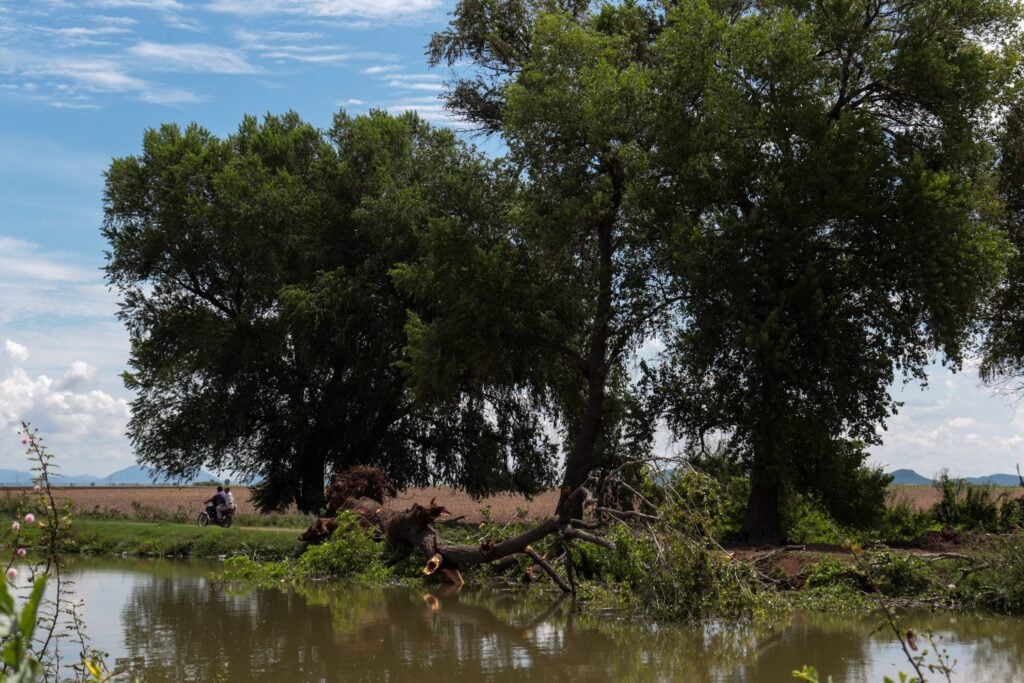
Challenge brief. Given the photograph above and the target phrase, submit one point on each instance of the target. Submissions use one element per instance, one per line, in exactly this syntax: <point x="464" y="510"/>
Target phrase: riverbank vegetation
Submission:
<point x="158" y="539"/>
<point x="669" y="557"/>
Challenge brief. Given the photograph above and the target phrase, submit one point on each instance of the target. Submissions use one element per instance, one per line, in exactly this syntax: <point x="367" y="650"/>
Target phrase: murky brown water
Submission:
<point x="164" y="621"/>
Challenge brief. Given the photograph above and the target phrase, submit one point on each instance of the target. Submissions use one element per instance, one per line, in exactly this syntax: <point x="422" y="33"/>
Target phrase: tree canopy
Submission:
<point x="797" y="201"/>
<point x="831" y="170"/>
<point x="265" y="329"/>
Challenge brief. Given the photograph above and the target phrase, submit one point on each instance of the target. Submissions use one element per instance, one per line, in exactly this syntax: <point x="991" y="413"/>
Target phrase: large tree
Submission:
<point x="1003" y="359"/>
<point x="552" y="304"/>
<point x="845" y="235"/>
<point x="254" y="280"/>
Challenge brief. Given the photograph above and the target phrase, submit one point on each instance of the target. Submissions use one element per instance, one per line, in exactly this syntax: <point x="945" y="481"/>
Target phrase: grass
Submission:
<point x="93" y="536"/>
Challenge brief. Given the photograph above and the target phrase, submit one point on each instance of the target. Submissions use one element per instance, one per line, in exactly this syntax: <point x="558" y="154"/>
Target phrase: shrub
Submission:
<point x="903" y="522"/>
<point x="970" y="507"/>
<point x="352" y="552"/>
<point x="852" y="493"/>
<point x="806" y="521"/>
<point x="998" y="586"/>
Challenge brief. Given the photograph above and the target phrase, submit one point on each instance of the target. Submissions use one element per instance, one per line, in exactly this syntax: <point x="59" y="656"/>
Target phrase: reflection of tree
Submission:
<point x="187" y="630"/>
<point x="334" y="633"/>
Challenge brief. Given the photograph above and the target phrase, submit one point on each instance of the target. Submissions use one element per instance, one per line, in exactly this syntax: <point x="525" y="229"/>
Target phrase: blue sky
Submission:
<point x="79" y="83"/>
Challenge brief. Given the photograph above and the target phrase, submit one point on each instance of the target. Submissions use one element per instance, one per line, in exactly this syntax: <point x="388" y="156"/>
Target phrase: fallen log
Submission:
<point x="415" y="527"/>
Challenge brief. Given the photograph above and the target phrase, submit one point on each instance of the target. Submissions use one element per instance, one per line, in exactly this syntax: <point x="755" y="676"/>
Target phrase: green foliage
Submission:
<point x="897" y="574"/>
<point x="822" y="248"/>
<point x="676" y="573"/>
<point x="1003" y="347"/>
<point x="809" y="674"/>
<point x="970" y="507"/>
<point x="889" y="573"/>
<point x="352" y="553"/>
<point x="254" y="274"/>
<point x="903" y="522"/>
<point x="16" y="629"/>
<point x="806" y="521"/>
<point x="998" y="583"/>
<point x="100" y="537"/>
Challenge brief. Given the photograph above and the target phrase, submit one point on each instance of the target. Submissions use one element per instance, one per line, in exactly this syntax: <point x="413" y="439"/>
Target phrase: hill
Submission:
<point x="909" y="478"/>
<point x="134" y="475"/>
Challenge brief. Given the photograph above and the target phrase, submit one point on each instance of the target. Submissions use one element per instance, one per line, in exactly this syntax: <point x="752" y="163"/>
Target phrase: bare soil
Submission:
<point x="461" y="507"/>
<point x="125" y="500"/>
<point x="924" y="497"/>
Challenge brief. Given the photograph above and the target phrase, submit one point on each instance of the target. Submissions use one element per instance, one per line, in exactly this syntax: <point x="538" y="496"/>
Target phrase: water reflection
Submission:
<point x="175" y="625"/>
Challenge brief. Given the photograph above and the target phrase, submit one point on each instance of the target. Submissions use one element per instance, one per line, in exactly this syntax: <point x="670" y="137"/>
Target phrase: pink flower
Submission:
<point x="11" y="573"/>
<point x="37" y="488"/>
<point x="24" y="442"/>
<point x="29" y="518"/>
<point x="15" y="526"/>
<point x="21" y="552"/>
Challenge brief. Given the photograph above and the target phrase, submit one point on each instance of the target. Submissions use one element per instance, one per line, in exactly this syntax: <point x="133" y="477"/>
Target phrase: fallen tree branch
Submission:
<point x="548" y="569"/>
<point x="416" y="527"/>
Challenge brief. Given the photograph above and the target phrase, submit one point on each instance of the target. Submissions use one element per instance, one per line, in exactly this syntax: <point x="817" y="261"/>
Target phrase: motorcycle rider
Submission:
<point x="214" y="504"/>
<point x="229" y="502"/>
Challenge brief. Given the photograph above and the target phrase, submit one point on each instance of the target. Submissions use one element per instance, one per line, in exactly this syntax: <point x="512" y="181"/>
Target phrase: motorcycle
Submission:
<point x="207" y="516"/>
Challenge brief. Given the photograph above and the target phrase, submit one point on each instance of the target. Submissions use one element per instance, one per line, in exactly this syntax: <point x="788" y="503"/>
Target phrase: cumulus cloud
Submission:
<point x="78" y="374"/>
<point x="15" y="351"/>
<point x="79" y="419"/>
<point x="956" y="423"/>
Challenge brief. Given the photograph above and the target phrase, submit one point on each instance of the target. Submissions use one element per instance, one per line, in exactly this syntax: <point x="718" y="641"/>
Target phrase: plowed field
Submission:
<point x="125" y="500"/>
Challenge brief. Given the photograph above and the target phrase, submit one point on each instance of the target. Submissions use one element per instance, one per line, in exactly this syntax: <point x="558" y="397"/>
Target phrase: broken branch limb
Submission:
<point x="548" y="569"/>
<point x="416" y="527"/>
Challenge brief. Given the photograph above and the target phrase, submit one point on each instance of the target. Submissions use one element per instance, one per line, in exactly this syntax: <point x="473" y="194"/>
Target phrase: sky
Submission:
<point x="80" y="81"/>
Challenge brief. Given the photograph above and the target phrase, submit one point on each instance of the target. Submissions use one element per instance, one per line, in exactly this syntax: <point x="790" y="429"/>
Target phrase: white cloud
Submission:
<point x="114" y="21"/>
<point x="413" y="78"/>
<point x="955" y="423"/>
<point x="77" y="36"/>
<point x="378" y="9"/>
<point x="71" y="81"/>
<point x="353" y="101"/>
<point x="406" y="85"/>
<point x="79" y="373"/>
<point x="49" y="285"/>
<point x="15" y="351"/>
<point x="73" y="422"/>
<point x="157" y="5"/>
<point x="260" y="39"/>
<point x="22" y="260"/>
<point x="379" y="69"/>
<point x="193" y="57"/>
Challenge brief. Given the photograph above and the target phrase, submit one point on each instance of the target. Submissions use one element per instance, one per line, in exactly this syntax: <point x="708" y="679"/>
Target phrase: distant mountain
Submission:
<point x="912" y="478"/>
<point x="136" y="475"/>
<point x="140" y="475"/>
<point x="16" y="478"/>
<point x="909" y="477"/>
<point x="995" y="479"/>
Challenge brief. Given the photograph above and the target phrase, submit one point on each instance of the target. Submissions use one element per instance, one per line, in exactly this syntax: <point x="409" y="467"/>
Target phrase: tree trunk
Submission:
<point x="310" y="496"/>
<point x="762" y="522"/>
